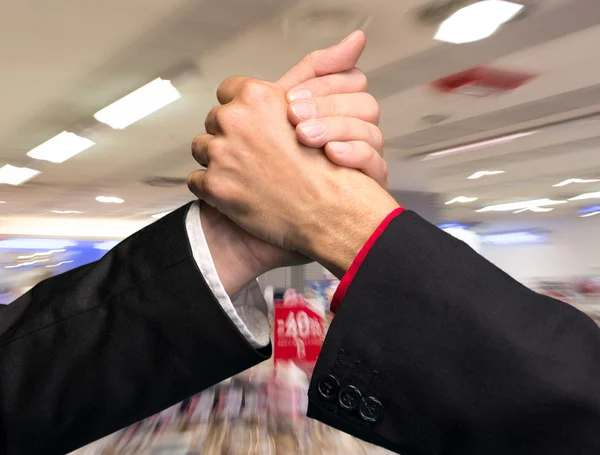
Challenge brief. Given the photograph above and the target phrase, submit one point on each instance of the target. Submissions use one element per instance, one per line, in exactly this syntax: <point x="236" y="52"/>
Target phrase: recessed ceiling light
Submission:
<point x="13" y="175"/>
<point x="569" y="181"/>
<point x="581" y="197"/>
<point x="513" y="206"/>
<point x="461" y="200"/>
<point x="109" y="199"/>
<point x="60" y="148"/>
<point x="479" y="174"/>
<point x="66" y="212"/>
<point x="477" y="21"/>
<point x="2" y="202"/>
<point x="138" y="104"/>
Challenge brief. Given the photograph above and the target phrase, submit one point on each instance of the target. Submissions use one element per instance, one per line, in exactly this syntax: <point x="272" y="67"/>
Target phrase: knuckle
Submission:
<point x="310" y="58"/>
<point x="215" y="150"/>
<point x="331" y="108"/>
<point x="221" y="89"/>
<point x="227" y="116"/>
<point x="384" y="171"/>
<point x="257" y="91"/>
<point x="378" y="138"/>
<point x="192" y="184"/>
<point x="211" y="186"/>
<point x="373" y="108"/>
<point x="361" y="79"/>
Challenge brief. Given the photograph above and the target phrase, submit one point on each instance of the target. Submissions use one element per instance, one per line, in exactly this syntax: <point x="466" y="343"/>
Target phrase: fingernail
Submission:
<point x="304" y="110"/>
<point x="300" y="94"/>
<point x="339" y="147"/>
<point x="313" y="129"/>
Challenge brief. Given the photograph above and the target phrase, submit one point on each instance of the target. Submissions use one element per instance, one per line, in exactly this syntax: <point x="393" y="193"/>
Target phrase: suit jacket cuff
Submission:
<point x="346" y="281"/>
<point x="247" y="309"/>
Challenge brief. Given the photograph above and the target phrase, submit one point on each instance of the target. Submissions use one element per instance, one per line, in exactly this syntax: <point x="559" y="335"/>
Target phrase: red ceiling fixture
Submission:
<point x="482" y="81"/>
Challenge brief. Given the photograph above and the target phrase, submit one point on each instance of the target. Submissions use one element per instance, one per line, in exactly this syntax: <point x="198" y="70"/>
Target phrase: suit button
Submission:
<point x="328" y="387"/>
<point x="370" y="409"/>
<point x="349" y="398"/>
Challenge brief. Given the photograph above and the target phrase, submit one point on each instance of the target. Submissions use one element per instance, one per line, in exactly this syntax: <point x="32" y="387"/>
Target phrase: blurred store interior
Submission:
<point x="491" y="134"/>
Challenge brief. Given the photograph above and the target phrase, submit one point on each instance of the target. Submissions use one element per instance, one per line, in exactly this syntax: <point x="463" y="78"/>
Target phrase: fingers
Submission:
<point x="359" y="155"/>
<point x="339" y="57"/>
<point x="200" y="147"/>
<point x="358" y="105"/>
<point x="317" y="133"/>
<point x="345" y="82"/>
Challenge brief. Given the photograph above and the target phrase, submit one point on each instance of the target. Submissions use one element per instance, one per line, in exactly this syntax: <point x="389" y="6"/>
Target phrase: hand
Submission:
<point x="255" y="177"/>
<point x="243" y="256"/>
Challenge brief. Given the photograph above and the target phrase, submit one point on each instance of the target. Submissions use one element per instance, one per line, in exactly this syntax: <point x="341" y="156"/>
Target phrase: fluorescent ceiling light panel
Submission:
<point x="513" y="238"/>
<point x="581" y="197"/>
<point x="587" y="215"/>
<point x="461" y="200"/>
<point x="513" y="206"/>
<point x="109" y="200"/>
<point x="139" y="104"/>
<point x="477" y="145"/>
<point x="35" y="244"/>
<point x="47" y="253"/>
<point x="536" y="209"/>
<point x="569" y="181"/>
<point x="13" y="175"/>
<point x="479" y="174"/>
<point x="60" y="148"/>
<point x="25" y="264"/>
<point x="477" y="21"/>
<point x="59" y="264"/>
<point x="66" y="212"/>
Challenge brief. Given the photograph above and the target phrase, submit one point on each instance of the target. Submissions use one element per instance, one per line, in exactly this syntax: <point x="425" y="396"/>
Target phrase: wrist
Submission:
<point x="234" y="265"/>
<point x="339" y="239"/>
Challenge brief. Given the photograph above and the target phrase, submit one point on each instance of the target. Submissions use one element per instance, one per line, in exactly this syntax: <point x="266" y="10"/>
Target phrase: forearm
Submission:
<point x="103" y="346"/>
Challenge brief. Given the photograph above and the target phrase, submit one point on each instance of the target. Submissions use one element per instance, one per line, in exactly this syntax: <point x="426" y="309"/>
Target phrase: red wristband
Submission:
<point x="340" y="293"/>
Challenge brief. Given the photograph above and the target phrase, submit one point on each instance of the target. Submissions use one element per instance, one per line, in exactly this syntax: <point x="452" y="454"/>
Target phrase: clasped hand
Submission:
<point x="266" y="170"/>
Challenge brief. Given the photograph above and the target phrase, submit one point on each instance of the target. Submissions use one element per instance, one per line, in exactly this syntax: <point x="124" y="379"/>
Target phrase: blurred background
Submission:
<point x="491" y="112"/>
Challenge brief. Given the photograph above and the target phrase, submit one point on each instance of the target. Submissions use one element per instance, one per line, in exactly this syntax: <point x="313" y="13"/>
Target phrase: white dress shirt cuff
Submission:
<point x="247" y="309"/>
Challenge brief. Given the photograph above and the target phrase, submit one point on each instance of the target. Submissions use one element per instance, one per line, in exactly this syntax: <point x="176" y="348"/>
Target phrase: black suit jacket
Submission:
<point x="93" y="350"/>
<point x="457" y="357"/>
<point x="433" y="351"/>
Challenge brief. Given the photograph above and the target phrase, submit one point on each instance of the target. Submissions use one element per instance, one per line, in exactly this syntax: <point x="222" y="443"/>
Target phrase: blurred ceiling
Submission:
<point x="69" y="58"/>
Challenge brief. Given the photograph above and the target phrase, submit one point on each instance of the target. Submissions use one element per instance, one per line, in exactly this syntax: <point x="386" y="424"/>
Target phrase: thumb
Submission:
<point x="337" y="58"/>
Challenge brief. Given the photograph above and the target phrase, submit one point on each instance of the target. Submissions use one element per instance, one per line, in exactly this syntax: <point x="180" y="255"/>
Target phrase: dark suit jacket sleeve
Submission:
<point x="93" y="350"/>
<point x="458" y="357"/>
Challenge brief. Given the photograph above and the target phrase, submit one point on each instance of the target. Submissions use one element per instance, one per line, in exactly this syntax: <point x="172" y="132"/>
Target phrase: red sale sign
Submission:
<point x="299" y="333"/>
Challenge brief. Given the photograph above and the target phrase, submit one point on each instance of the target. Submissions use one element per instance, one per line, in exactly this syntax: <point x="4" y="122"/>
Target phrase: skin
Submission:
<point x="321" y="209"/>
